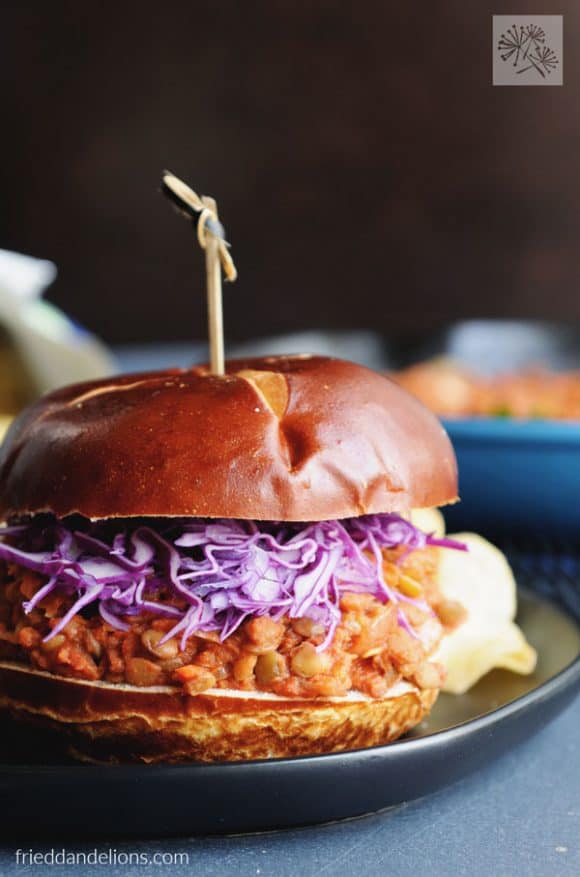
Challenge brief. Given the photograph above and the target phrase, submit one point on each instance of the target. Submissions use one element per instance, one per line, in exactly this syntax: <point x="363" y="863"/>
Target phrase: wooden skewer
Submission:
<point x="215" y="320"/>
<point x="211" y="237"/>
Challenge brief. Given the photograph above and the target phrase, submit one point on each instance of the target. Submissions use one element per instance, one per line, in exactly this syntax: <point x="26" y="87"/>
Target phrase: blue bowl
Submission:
<point x="517" y="476"/>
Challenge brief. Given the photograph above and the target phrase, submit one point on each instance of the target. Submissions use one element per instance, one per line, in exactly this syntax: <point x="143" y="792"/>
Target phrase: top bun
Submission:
<point x="291" y="438"/>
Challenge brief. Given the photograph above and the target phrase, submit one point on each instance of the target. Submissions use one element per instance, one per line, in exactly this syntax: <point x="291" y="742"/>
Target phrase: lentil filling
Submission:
<point x="369" y="652"/>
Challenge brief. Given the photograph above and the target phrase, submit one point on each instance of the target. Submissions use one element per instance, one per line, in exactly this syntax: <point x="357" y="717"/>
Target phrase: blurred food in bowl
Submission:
<point x="452" y="390"/>
<point x="514" y="425"/>
<point x="442" y="385"/>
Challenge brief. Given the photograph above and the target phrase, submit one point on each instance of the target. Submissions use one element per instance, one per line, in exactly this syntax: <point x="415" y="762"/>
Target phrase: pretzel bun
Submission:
<point x="295" y="438"/>
<point x="107" y="722"/>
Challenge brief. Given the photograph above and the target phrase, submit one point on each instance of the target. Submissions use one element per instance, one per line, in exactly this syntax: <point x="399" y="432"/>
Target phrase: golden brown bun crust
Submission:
<point x="121" y="723"/>
<point x="341" y="441"/>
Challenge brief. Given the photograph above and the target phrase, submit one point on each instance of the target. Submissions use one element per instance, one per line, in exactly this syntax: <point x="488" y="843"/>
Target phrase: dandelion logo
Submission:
<point x="527" y="52"/>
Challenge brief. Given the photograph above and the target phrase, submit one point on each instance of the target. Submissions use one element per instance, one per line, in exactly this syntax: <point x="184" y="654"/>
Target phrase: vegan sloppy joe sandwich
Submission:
<point x="203" y="567"/>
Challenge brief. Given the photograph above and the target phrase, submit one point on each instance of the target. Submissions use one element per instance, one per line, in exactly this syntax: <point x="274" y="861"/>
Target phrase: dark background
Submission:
<point x="367" y="171"/>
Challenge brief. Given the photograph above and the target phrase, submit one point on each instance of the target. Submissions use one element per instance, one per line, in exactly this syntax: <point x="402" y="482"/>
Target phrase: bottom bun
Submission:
<point x="122" y="723"/>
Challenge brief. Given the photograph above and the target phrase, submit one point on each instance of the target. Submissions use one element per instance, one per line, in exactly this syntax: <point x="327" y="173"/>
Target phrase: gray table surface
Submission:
<point x="520" y="817"/>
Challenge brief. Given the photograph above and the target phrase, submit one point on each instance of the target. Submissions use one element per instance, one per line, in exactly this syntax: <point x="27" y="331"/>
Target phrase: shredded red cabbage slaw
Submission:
<point x="210" y="575"/>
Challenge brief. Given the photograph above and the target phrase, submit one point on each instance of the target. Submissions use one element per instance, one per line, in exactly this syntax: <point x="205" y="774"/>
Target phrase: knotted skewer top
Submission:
<point x="203" y="211"/>
<point x="211" y="236"/>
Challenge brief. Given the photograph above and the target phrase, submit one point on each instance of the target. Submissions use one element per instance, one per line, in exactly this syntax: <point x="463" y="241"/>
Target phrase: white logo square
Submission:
<point x="528" y="50"/>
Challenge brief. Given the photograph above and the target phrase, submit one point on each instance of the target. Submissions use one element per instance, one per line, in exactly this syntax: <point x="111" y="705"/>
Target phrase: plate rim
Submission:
<point x="513" y="430"/>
